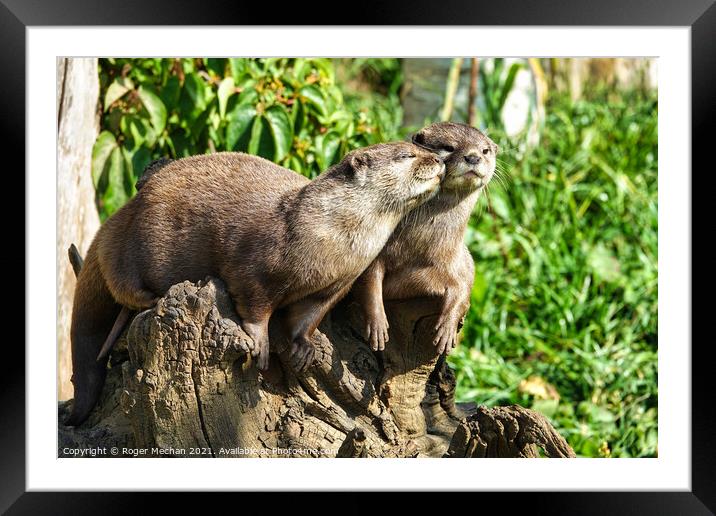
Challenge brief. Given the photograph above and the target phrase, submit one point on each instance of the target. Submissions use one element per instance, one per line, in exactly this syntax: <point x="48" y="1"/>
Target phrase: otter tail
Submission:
<point x="93" y="315"/>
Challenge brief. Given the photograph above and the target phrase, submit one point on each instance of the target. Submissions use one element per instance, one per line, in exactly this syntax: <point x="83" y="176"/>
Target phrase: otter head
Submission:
<point x="401" y="174"/>
<point x="468" y="154"/>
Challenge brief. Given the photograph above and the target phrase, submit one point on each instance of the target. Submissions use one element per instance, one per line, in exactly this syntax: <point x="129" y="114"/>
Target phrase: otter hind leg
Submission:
<point x="368" y="292"/>
<point x="455" y="302"/>
<point x="138" y="298"/>
<point x="454" y="305"/>
<point x="302" y="353"/>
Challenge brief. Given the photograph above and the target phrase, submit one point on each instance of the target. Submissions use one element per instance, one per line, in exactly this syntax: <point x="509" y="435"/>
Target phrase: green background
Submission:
<point x="563" y="316"/>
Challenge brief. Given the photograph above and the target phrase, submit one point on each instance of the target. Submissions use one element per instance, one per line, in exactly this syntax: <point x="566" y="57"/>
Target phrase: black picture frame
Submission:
<point x="699" y="15"/>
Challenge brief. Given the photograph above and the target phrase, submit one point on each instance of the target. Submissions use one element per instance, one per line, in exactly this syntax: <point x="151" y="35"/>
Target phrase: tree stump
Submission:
<point x="181" y="382"/>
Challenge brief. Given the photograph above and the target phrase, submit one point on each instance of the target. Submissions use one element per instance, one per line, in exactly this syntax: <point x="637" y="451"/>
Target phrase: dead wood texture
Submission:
<point x="77" y="218"/>
<point x="181" y="381"/>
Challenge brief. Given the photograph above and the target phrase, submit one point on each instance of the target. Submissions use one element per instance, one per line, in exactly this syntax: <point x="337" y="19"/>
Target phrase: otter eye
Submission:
<point x="486" y="151"/>
<point x="448" y="148"/>
<point x="404" y="155"/>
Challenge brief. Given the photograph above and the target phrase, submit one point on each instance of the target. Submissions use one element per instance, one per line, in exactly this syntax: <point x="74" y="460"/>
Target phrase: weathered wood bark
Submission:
<point x="507" y="432"/>
<point x="78" y="221"/>
<point x="181" y="381"/>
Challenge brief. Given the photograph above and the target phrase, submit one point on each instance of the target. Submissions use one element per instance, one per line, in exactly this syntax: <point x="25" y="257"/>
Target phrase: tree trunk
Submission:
<point x="181" y="383"/>
<point x="78" y="221"/>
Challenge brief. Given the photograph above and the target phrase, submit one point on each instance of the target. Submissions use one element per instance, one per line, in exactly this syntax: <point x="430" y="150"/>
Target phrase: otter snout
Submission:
<point x="433" y="159"/>
<point x="443" y="169"/>
<point x="432" y="166"/>
<point x="472" y="159"/>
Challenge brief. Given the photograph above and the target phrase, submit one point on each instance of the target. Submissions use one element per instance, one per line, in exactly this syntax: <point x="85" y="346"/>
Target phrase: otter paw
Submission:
<point x="301" y="355"/>
<point x="263" y="355"/>
<point x="251" y="347"/>
<point x="256" y="337"/>
<point x="445" y="335"/>
<point x="377" y="333"/>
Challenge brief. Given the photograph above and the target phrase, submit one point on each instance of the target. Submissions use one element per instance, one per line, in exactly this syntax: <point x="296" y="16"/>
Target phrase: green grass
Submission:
<point x="565" y="293"/>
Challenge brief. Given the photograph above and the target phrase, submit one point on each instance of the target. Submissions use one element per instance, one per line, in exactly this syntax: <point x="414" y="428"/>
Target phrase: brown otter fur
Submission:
<point x="150" y="169"/>
<point x="426" y="255"/>
<point x="275" y="238"/>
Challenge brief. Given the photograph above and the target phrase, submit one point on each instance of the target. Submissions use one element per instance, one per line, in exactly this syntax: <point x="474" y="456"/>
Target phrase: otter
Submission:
<point x="150" y="169"/>
<point x="276" y="239"/>
<point x="426" y="255"/>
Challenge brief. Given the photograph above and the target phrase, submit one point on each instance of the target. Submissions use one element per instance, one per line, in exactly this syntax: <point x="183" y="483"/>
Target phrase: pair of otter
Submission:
<point x="391" y="216"/>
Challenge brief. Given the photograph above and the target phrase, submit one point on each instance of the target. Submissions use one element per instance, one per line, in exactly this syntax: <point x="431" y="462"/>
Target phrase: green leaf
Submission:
<point x="140" y="160"/>
<point x="261" y="143"/>
<point x="226" y="90"/>
<point x="129" y="173"/>
<point x="256" y="129"/>
<point x="193" y="97"/>
<point x="115" y="195"/>
<point x="300" y="68"/>
<point x="134" y="130"/>
<point x="296" y="165"/>
<point x="327" y="146"/>
<point x="507" y="85"/>
<point x="325" y="68"/>
<point x="248" y="96"/>
<point x="238" y="129"/>
<point x="116" y="91"/>
<point x="170" y="92"/>
<point x="198" y="130"/>
<point x="138" y="130"/>
<point x="155" y="107"/>
<point x="298" y="117"/>
<point x="238" y="67"/>
<point x="281" y="130"/>
<point x="103" y="147"/>
<point x="314" y="96"/>
<point x="216" y="66"/>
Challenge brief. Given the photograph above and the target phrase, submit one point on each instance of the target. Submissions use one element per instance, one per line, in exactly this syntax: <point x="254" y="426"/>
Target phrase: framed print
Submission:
<point x="411" y="246"/>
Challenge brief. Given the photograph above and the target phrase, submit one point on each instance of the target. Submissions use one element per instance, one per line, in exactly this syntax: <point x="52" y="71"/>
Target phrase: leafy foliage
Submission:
<point x="564" y="307"/>
<point x="291" y="111"/>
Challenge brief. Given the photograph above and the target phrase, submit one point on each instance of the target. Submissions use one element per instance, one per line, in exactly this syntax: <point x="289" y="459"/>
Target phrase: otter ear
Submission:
<point x="359" y="165"/>
<point x="419" y="140"/>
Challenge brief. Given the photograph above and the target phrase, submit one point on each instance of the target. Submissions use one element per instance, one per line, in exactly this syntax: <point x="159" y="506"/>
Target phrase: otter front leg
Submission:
<point x="454" y="305"/>
<point x="256" y="326"/>
<point x="254" y="307"/>
<point x="368" y="291"/>
<point x="255" y="313"/>
<point x="302" y="319"/>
